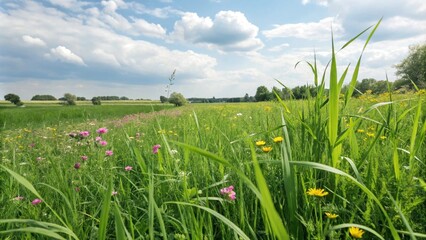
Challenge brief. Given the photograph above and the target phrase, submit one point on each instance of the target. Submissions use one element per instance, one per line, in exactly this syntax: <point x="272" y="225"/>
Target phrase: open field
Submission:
<point x="38" y="115"/>
<point x="168" y="175"/>
<point x="88" y="102"/>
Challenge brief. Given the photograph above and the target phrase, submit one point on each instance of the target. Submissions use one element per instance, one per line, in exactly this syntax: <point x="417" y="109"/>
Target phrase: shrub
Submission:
<point x="70" y="99"/>
<point x="177" y="99"/>
<point x="96" y="101"/>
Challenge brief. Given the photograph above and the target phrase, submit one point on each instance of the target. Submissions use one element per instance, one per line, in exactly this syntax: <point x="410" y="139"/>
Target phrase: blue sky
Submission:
<point x="221" y="48"/>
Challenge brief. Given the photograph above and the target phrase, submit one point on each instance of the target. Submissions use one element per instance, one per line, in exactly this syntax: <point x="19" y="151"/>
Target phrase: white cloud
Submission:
<point x="149" y="29"/>
<point x="279" y="48"/>
<point x="229" y="31"/>
<point x="64" y="54"/>
<point x="33" y="41"/>
<point x="312" y="30"/>
<point x="73" y="5"/>
<point x="319" y="2"/>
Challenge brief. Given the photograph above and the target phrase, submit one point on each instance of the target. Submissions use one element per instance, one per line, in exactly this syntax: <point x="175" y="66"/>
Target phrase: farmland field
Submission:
<point x="218" y="171"/>
<point x="48" y="113"/>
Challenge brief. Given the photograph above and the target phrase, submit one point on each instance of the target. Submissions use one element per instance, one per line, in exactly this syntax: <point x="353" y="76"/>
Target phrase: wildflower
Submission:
<point x="173" y="151"/>
<point x="382" y="137"/>
<point x="155" y="148"/>
<point x="102" y="130"/>
<point x="356" y="232"/>
<point x="260" y="143"/>
<point x="360" y="131"/>
<point x="18" y="198"/>
<point x="108" y="153"/>
<point x="370" y="134"/>
<point x="84" y="134"/>
<point x="97" y="139"/>
<point x="103" y="143"/>
<point x="317" y="192"/>
<point x="331" y="215"/>
<point x="278" y="139"/>
<point x="239" y="114"/>
<point x="229" y="191"/>
<point x="114" y="193"/>
<point x="268" y="109"/>
<point x="77" y="166"/>
<point x="36" y="201"/>
<point x="266" y="149"/>
<point x="84" y="158"/>
<point x="128" y="168"/>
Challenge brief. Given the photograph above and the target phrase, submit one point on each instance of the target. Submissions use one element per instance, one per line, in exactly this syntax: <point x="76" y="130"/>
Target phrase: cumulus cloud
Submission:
<point x="33" y="41"/>
<point x="312" y="30"/>
<point x="64" y="54"/>
<point x="229" y="31"/>
<point x="149" y="29"/>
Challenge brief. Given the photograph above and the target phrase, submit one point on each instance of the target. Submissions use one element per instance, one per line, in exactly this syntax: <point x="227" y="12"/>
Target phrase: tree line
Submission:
<point x="411" y="72"/>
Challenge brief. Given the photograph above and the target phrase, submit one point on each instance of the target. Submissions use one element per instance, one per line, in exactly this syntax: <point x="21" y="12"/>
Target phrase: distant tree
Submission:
<point x="43" y="98"/>
<point x="81" y="99"/>
<point x="13" y="98"/>
<point x="177" y="99"/>
<point x="163" y="99"/>
<point x="276" y="91"/>
<point x="124" y="98"/>
<point x="96" y="101"/>
<point x="413" y="67"/>
<point x="262" y="94"/>
<point x="70" y="99"/>
<point x="246" y="98"/>
<point x="286" y="93"/>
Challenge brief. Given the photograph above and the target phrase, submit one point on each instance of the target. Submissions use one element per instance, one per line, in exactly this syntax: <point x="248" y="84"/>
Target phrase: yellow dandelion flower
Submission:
<point x="360" y="131"/>
<point x="370" y="134"/>
<point x="382" y="137"/>
<point x="331" y="215"/>
<point x="317" y="192"/>
<point x="278" y="139"/>
<point x="260" y="143"/>
<point x="266" y="149"/>
<point x="268" y="109"/>
<point x="356" y="232"/>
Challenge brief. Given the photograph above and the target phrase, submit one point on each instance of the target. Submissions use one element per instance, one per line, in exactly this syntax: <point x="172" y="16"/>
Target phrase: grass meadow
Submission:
<point x="329" y="167"/>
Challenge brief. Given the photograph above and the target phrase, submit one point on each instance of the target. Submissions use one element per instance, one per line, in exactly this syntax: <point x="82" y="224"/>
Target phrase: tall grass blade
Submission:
<point x="219" y="216"/>
<point x="36" y="230"/>
<point x="274" y="218"/>
<point x="348" y="225"/>
<point x="106" y="204"/>
<point x="121" y="232"/>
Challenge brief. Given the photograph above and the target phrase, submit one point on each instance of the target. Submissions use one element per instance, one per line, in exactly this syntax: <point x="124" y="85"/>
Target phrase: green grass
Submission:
<point x="368" y="154"/>
<point x="40" y="115"/>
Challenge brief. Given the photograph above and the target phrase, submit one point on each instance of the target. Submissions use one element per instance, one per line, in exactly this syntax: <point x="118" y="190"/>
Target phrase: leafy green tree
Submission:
<point x="43" y="98"/>
<point x="246" y="98"/>
<point x="262" y="94"/>
<point x="163" y="99"/>
<point x="413" y="67"/>
<point x="13" y="98"/>
<point x="177" y="99"/>
<point x="70" y="99"/>
<point x="96" y="101"/>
